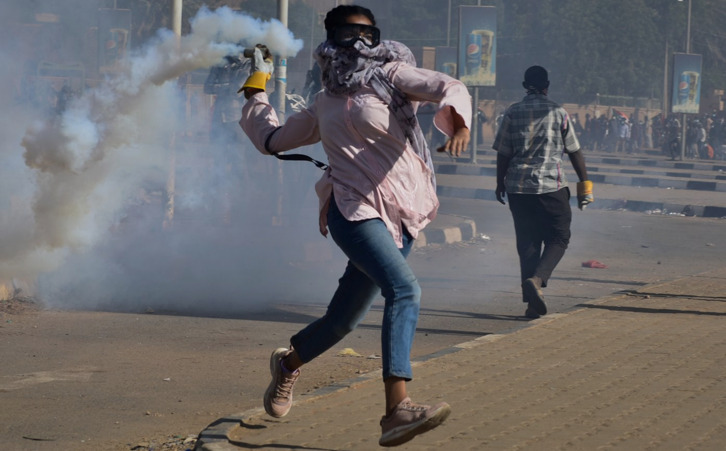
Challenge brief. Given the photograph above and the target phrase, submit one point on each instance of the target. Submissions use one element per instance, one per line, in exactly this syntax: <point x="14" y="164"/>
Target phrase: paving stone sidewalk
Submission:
<point x="638" y="370"/>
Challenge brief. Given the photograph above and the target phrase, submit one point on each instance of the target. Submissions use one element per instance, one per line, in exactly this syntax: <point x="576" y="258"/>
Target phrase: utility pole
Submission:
<point x="171" y="177"/>
<point x="280" y="90"/>
<point x="475" y="117"/>
<point x="688" y="29"/>
<point x="177" y="17"/>
<point x="665" y="83"/>
<point x="281" y="69"/>
<point x="688" y="50"/>
<point x="448" y="27"/>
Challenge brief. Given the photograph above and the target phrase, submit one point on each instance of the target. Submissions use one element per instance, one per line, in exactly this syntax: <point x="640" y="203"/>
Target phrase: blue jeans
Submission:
<point x="376" y="265"/>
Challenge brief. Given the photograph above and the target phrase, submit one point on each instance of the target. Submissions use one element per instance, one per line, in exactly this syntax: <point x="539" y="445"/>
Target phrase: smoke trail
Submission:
<point x="94" y="241"/>
<point x="19" y="256"/>
<point x="214" y="35"/>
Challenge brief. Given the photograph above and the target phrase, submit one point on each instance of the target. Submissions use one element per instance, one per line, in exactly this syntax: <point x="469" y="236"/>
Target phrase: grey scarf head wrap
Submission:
<point x="346" y="70"/>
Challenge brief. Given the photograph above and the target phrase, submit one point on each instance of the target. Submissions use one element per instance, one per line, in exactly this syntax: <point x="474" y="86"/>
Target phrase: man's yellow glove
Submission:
<point x="584" y="194"/>
<point x="257" y="80"/>
<point x="262" y="67"/>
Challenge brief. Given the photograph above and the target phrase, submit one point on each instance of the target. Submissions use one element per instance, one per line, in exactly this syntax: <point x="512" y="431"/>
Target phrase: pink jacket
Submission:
<point x="374" y="172"/>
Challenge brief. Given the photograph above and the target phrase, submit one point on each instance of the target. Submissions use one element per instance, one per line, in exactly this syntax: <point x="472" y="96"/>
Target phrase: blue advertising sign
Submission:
<point x="477" y="45"/>
<point x="445" y="61"/>
<point x="114" y="33"/>
<point x="686" y="96"/>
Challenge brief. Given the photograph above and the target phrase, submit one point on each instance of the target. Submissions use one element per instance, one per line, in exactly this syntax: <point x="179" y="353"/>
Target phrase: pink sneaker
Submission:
<point x="409" y="420"/>
<point x="278" y="396"/>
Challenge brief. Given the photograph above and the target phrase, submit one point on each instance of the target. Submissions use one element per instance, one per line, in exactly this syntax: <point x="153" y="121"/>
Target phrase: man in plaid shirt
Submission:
<point x="534" y="135"/>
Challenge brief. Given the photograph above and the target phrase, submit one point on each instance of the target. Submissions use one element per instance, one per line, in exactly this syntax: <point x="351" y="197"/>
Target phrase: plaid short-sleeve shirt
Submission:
<point x="535" y="134"/>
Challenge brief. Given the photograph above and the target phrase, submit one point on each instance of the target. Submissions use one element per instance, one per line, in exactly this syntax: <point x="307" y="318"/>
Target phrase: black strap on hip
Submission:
<point x="293" y="156"/>
<point x="301" y="157"/>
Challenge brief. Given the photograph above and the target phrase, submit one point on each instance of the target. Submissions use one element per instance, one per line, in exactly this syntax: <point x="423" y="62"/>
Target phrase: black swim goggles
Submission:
<point x="347" y="35"/>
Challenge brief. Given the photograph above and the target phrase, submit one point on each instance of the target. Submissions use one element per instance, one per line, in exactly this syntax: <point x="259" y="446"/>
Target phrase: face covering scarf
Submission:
<point x="346" y="70"/>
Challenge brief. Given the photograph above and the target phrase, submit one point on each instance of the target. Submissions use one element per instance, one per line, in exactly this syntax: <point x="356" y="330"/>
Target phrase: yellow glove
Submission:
<point x="584" y="194"/>
<point x="262" y="67"/>
<point x="256" y="80"/>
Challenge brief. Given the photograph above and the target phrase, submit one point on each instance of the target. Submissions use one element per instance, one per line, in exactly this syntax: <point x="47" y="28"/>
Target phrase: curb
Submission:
<point x="716" y="165"/>
<point x="706" y="211"/>
<point x="622" y="177"/>
<point x="624" y="180"/>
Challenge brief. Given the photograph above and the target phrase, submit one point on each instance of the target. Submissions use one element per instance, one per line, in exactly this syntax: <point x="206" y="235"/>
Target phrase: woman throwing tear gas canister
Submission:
<point x="375" y="197"/>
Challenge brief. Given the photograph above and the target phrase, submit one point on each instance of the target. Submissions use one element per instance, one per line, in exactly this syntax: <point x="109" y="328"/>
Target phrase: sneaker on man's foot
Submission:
<point x="409" y="420"/>
<point x="534" y="297"/>
<point x="278" y="396"/>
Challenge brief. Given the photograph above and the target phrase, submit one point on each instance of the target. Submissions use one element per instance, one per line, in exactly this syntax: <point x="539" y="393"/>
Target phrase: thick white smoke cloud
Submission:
<point x="19" y="256"/>
<point x="214" y="35"/>
<point x="86" y="201"/>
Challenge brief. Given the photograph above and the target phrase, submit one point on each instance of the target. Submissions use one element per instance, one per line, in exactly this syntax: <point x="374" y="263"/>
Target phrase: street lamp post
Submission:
<point x="688" y="50"/>
<point x="177" y="7"/>
<point x="448" y="27"/>
<point x="475" y="117"/>
<point x="281" y="67"/>
<point x="688" y="29"/>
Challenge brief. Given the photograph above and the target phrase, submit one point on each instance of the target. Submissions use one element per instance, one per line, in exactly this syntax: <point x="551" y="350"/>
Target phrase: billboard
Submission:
<point x="445" y="60"/>
<point x="477" y="45"/>
<point x="686" y="96"/>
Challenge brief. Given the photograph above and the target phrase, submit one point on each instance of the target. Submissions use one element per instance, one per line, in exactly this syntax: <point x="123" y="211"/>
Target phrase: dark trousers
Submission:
<point x="542" y="226"/>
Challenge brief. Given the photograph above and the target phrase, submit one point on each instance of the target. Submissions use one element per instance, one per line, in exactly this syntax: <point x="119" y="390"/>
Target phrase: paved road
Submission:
<point x="482" y="286"/>
<point x="100" y="380"/>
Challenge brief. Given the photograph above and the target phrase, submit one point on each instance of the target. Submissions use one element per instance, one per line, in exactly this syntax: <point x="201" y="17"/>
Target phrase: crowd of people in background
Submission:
<point x="617" y="133"/>
<point x="705" y="134"/>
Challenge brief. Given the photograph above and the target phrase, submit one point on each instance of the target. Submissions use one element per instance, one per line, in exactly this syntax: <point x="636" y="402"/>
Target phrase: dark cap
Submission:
<point x="536" y="77"/>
